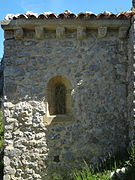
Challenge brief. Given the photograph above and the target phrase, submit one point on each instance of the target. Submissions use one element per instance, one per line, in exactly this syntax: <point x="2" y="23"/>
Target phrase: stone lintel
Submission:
<point x="102" y="31"/>
<point x="18" y="33"/>
<point x="123" y="32"/>
<point x="39" y="32"/>
<point x="60" y="32"/>
<point x="81" y="32"/>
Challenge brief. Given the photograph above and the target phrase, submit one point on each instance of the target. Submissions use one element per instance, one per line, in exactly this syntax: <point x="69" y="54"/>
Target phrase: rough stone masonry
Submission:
<point x="68" y="91"/>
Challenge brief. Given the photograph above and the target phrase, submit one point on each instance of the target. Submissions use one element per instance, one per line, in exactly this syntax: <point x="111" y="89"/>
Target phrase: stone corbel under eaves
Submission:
<point x="123" y="31"/>
<point x="39" y="32"/>
<point x="81" y="32"/>
<point x="102" y="31"/>
<point x="18" y="33"/>
<point x="40" y="26"/>
<point x="60" y="32"/>
<point x="73" y="24"/>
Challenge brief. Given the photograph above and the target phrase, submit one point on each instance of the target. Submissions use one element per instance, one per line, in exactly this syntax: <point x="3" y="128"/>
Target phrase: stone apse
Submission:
<point x="68" y="91"/>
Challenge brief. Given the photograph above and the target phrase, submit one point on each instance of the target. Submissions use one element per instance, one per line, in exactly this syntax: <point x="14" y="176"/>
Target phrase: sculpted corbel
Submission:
<point x="39" y="32"/>
<point x="60" y="32"/>
<point x="81" y="32"/>
<point x="18" y="33"/>
<point x="123" y="32"/>
<point x="102" y="31"/>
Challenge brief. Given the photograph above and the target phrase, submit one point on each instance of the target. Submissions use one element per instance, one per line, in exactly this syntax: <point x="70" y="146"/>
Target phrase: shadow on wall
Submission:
<point x="69" y="142"/>
<point x="1" y="80"/>
<point x="59" y="118"/>
<point x="1" y="162"/>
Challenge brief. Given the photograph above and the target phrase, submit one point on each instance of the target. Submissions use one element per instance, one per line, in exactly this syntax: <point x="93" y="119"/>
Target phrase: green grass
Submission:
<point x="87" y="173"/>
<point x="103" y="173"/>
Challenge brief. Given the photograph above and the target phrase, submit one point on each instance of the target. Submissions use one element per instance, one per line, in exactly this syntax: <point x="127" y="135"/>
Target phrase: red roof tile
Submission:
<point x="69" y="15"/>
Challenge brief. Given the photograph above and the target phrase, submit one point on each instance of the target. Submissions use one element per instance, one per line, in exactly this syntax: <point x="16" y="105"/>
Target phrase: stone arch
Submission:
<point x="59" y="96"/>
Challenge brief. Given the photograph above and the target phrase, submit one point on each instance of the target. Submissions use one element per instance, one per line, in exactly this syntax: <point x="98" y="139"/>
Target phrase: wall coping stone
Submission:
<point x="68" y="23"/>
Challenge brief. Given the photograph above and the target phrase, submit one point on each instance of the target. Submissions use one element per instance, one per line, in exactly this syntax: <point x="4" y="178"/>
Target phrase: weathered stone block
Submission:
<point x="18" y="33"/>
<point x="123" y="31"/>
<point x="9" y="170"/>
<point x="10" y="89"/>
<point x="39" y="31"/>
<point x="68" y="156"/>
<point x="121" y="90"/>
<point x="102" y="32"/>
<point x="6" y="177"/>
<point x="60" y="32"/>
<point x="121" y="69"/>
<point x="6" y="161"/>
<point x="8" y="34"/>
<point x="10" y="152"/>
<point x="81" y="32"/>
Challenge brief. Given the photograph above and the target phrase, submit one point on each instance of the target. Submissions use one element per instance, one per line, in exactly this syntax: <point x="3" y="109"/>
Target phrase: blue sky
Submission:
<point x="58" y="6"/>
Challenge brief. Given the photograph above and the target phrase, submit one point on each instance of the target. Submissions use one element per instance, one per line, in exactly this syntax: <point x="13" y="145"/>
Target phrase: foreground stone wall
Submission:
<point x="95" y="62"/>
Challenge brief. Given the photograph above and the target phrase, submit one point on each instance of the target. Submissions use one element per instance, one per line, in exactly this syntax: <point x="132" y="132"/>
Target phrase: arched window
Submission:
<point x="59" y="96"/>
<point x="60" y="99"/>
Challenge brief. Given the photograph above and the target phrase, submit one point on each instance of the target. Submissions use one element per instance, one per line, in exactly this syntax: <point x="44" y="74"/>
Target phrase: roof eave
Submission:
<point x="67" y="23"/>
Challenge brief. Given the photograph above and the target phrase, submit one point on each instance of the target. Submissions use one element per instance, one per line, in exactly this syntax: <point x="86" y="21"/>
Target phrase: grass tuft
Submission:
<point x="111" y="165"/>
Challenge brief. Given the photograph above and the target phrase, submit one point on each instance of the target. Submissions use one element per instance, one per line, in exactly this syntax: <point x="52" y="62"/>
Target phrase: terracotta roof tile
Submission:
<point x="69" y="15"/>
<point x="31" y="16"/>
<point x="42" y="16"/>
<point x="81" y="15"/>
<point x="112" y="16"/>
<point x="21" y="16"/>
<point x="52" y="16"/>
<point x="101" y="16"/>
<point x="91" y="16"/>
<point x="122" y="16"/>
<point x="62" y="16"/>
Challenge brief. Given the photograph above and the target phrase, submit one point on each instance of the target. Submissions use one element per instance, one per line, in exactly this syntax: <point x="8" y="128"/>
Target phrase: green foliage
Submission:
<point x="110" y="165"/>
<point x="132" y="154"/>
<point x="130" y="163"/>
<point x="87" y="173"/>
<point x="1" y="130"/>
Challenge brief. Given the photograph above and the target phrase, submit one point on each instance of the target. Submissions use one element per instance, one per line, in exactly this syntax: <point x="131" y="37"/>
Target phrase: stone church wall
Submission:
<point x="95" y="66"/>
<point x="131" y="85"/>
<point x="1" y="81"/>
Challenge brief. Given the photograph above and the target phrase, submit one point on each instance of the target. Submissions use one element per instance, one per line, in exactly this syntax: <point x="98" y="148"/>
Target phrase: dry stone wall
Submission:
<point x="96" y="62"/>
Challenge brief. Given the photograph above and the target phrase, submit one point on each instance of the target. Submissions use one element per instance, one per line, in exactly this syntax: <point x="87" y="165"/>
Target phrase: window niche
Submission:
<point x="59" y="99"/>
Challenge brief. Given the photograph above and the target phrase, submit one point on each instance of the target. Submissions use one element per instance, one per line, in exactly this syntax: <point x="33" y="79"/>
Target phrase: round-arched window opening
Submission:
<point x="59" y="96"/>
<point x="60" y="99"/>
